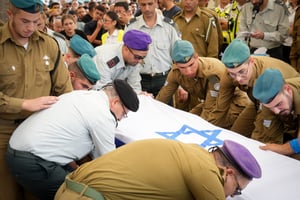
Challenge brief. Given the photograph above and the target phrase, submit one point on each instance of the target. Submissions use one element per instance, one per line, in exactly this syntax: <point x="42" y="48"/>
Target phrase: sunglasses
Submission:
<point x="137" y="57"/>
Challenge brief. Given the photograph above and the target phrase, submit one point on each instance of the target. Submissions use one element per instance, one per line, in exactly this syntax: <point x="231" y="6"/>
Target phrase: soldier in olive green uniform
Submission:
<point x="255" y="121"/>
<point x="282" y="97"/>
<point x="200" y="77"/>
<point x="174" y="171"/>
<point x="31" y="70"/>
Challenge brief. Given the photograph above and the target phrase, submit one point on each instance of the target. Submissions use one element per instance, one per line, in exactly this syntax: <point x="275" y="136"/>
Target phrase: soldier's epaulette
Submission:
<point x="56" y="34"/>
<point x="280" y="2"/>
<point x="169" y="21"/>
<point x="132" y="20"/>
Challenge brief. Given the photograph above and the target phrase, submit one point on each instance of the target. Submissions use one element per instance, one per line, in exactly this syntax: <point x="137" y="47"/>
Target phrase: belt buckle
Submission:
<point x="152" y="74"/>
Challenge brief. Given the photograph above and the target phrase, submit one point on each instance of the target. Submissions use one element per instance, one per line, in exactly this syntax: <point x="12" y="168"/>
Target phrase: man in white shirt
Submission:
<point x="46" y="146"/>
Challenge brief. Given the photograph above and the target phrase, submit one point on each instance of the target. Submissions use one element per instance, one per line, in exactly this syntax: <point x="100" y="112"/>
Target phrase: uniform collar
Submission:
<point x="141" y="22"/>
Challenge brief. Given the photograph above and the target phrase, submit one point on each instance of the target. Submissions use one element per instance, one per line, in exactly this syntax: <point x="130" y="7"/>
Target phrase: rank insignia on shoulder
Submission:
<point x="113" y="62"/>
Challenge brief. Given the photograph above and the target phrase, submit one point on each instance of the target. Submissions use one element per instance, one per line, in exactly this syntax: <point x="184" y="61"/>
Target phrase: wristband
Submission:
<point x="295" y="145"/>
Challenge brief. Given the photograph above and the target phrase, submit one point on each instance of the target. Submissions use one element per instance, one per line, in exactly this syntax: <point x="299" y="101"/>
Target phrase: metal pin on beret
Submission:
<point x="127" y="95"/>
<point x="182" y="51"/>
<point x="235" y="54"/>
<point x="81" y="46"/>
<point x="31" y="6"/>
<point x="268" y="85"/>
<point x="88" y="67"/>
<point x="137" y="40"/>
<point x="242" y="159"/>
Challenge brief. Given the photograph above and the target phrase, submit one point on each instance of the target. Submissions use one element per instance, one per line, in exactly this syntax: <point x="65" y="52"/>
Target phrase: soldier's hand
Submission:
<point x="182" y="95"/>
<point x="284" y="149"/>
<point x="40" y="103"/>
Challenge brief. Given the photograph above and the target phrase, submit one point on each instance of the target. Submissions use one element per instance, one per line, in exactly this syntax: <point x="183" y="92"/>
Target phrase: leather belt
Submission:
<point x="155" y="74"/>
<point x="83" y="189"/>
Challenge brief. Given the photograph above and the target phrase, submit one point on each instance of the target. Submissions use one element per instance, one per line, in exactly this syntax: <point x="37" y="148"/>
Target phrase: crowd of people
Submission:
<point x="70" y="70"/>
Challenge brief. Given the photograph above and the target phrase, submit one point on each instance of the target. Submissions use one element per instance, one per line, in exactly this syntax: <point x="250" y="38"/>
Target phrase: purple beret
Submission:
<point x="242" y="159"/>
<point x="137" y="40"/>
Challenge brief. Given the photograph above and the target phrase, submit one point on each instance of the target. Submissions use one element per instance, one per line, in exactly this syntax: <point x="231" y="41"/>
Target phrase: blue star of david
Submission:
<point x="210" y="135"/>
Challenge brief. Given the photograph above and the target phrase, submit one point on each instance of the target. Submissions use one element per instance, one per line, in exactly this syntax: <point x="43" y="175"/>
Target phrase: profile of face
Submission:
<point x="234" y="183"/>
<point x="282" y="104"/>
<point x="80" y="83"/>
<point x="242" y="73"/>
<point x="133" y="57"/>
<point x="189" y="69"/>
<point x="118" y="108"/>
<point x="148" y="7"/>
<point x="57" y="25"/>
<point x="22" y="24"/>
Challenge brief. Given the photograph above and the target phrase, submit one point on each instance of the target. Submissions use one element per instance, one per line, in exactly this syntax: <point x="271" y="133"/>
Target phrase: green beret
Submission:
<point x="182" y="51"/>
<point x="81" y="46"/>
<point x="88" y="67"/>
<point x="127" y="95"/>
<point x="235" y="54"/>
<point x="268" y="85"/>
<point x="31" y="6"/>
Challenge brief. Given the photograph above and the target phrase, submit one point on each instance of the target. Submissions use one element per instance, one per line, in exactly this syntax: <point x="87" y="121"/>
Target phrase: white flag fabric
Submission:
<point x="280" y="174"/>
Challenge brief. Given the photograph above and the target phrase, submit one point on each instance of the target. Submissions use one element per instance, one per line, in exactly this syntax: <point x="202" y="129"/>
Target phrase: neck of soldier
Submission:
<point x="22" y="40"/>
<point x="151" y="21"/>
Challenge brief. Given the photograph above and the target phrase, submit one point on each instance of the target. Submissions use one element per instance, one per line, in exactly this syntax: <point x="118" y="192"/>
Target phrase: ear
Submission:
<point x="9" y="13"/>
<point x="72" y="75"/>
<point x="288" y="89"/>
<point x="229" y="170"/>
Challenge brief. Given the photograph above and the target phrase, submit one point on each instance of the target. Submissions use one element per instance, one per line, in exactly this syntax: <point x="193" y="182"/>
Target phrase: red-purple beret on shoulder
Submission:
<point x="242" y="159"/>
<point x="137" y="40"/>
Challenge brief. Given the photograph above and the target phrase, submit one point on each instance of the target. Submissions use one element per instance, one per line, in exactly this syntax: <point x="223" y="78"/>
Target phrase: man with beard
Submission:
<point x="32" y="75"/>
<point x="243" y="69"/>
<point x="281" y="97"/>
<point x="264" y="23"/>
<point x="120" y="61"/>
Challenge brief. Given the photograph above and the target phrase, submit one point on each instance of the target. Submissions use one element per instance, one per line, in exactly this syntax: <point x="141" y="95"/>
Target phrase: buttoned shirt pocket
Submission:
<point x="10" y="76"/>
<point x="270" y="25"/>
<point x="43" y="70"/>
<point x="199" y="33"/>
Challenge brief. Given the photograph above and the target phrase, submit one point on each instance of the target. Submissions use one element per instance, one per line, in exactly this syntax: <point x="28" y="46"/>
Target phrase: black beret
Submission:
<point x="127" y="95"/>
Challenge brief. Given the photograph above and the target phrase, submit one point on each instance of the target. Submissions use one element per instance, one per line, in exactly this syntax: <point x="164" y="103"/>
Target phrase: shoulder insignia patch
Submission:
<point x="113" y="62"/>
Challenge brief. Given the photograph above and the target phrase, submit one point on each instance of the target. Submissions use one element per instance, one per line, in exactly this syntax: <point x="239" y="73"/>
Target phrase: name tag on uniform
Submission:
<point x="267" y="123"/>
<point x="213" y="93"/>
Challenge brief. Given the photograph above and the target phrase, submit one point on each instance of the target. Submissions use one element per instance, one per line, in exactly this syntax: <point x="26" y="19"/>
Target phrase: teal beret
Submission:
<point x="127" y="95"/>
<point x="235" y="54"/>
<point x="268" y="85"/>
<point x="81" y="46"/>
<point x="31" y="6"/>
<point x="137" y="40"/>
<point x="182" y="51"/>
<point x="88" y="67"/>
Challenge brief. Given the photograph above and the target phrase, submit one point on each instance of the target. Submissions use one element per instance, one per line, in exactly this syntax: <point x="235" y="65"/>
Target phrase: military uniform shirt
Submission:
<point x="111" y="66"/>
<point x="29" y="73"/>
<point x="273" y="21"/>
<point x="78" y="123"/>
<point x="205" y="85"/>
<point x="227" y="86"/>
<point x="154" y="170"/>
<point x="163" y="36"/>
<point x="201" y="31"/>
